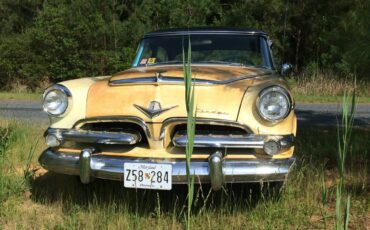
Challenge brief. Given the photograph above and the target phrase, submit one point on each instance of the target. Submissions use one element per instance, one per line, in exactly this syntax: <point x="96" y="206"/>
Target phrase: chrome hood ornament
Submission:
<point x="154" y="109"/>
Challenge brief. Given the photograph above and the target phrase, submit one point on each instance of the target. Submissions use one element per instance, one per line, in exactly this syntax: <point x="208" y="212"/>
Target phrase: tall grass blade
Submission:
<point x="344" y="135"/>
<point x="189" y="100"/>
<point x="338" y="209"/>
<point x="346" y="214"/>
<point x="324" y="193"/>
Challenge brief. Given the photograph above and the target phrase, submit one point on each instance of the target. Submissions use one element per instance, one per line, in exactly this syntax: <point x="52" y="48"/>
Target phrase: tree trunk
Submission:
<point x="297" y="50"/>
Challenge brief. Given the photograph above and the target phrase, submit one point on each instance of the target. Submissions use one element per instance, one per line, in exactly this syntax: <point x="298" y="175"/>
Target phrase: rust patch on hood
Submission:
<point x="221" y="101"/>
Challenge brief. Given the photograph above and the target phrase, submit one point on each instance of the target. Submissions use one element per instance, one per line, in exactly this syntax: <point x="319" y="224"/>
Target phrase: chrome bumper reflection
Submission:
<point x="216" y="170"/>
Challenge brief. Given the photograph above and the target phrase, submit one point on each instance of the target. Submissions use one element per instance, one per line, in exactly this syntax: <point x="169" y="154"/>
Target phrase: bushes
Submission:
<point x="4" y="141"/>
<point x="60" y="40"/>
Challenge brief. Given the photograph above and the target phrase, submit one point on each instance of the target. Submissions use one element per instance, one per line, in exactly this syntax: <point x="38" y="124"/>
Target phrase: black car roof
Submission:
<point x="204" y="30"/>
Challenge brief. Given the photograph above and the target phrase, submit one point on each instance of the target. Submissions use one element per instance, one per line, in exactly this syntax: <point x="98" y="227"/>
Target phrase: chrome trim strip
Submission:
<point x="220" y="142"/>
<point x="212" y="31"/>
<point x="110" y="138"/>
<point x="58" y="87"/>
<point x="111" y="168"/>
<point x="178" y="80"/>
<point x="237" y="141"/>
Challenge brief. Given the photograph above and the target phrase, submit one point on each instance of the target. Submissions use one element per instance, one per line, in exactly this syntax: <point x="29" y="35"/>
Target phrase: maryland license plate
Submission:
<point x="147" y="176"/>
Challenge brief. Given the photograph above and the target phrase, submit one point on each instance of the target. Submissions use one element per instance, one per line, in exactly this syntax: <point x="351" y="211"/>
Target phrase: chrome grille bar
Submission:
<point x="236" y="141"/>
<point x="118" y="138"/>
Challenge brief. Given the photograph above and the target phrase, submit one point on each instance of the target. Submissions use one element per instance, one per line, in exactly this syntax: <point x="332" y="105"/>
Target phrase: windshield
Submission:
<point x="243" y="50"/>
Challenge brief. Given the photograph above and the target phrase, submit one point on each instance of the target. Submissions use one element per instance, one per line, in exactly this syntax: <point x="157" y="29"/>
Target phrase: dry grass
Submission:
<point x="327" y="84"/>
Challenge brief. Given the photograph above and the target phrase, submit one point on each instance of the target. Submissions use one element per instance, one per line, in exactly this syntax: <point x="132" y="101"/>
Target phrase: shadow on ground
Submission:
<point x="68" y="191"/>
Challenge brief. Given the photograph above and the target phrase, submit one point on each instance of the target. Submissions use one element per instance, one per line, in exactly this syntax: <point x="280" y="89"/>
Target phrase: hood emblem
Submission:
<point x="154" y="109"/>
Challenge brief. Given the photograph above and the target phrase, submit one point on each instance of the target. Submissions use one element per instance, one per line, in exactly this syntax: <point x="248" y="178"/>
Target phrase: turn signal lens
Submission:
<point x="52" y="141"/>
<point x="271" y="147"/>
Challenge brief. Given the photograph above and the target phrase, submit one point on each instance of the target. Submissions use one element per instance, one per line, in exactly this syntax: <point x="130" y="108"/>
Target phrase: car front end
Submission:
<point x="132" y="126"/>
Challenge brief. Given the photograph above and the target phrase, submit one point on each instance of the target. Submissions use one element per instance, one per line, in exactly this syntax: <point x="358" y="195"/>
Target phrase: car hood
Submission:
<point x="201" y="72"/>
<point x="141" y="92"/>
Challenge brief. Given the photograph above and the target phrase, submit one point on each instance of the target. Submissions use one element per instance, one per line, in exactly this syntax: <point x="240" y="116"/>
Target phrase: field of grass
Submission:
<point x="326" y="88"/>
<point x="32" y="198"/>
<point x="25" y="96"/>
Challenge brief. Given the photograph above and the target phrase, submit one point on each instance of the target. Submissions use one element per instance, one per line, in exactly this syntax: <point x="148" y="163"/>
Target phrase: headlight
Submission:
<point x="274" y="103"/>
<point x="56" y="100"/>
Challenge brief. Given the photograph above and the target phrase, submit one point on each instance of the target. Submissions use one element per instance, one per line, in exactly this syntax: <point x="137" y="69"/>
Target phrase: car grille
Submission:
<point x="116" y="127"/>
<point x="210" y="130"/>
<point x="112" y="129"/>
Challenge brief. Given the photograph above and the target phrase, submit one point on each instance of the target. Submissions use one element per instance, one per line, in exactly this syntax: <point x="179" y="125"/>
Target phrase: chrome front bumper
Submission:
<point x="217" y="170"/>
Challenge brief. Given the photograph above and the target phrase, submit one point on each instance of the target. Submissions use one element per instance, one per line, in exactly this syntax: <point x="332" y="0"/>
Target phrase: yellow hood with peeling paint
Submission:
<point x="217" y="101"/>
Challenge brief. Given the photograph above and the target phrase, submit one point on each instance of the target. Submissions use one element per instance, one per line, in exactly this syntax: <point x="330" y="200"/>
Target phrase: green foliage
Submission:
<point x="4" y="141"/>
<point x="344" y="137"/>
<point x="60" y="40"/>
<point x="190" y="129"/>
<point x="7" y="186"/>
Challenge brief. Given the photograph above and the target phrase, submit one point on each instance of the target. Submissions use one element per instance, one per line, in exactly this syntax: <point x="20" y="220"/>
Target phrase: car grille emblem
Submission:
<point x="154" y="109"/>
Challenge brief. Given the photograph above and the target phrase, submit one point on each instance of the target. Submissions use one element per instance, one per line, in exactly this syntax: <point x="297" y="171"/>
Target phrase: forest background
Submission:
<point x="45" y="41"/>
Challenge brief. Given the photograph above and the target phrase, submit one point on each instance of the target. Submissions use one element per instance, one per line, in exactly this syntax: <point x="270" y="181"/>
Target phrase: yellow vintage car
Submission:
<point x="131" y="126"/>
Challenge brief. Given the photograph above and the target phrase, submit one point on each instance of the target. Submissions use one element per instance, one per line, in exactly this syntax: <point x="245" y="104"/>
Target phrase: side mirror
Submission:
<point x="286" y="69"/>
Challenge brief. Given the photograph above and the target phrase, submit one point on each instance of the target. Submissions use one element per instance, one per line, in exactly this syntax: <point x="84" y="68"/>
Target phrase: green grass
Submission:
<point x="26" y="96"/>
<point x="48" y="200"/>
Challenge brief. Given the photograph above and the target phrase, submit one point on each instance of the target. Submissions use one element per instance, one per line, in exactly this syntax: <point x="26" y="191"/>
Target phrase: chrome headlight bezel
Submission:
<point x="284" y="95"/>
<point x="62" y="97"/>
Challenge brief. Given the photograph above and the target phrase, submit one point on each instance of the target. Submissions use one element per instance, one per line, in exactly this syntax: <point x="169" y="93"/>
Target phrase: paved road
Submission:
<point x="308" y="114"/>
<point x="329" y="114"/>
<point x="22" y="110"/>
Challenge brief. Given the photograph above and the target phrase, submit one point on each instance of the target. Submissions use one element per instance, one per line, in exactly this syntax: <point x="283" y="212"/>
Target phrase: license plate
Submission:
<point x="147" y="176"/>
